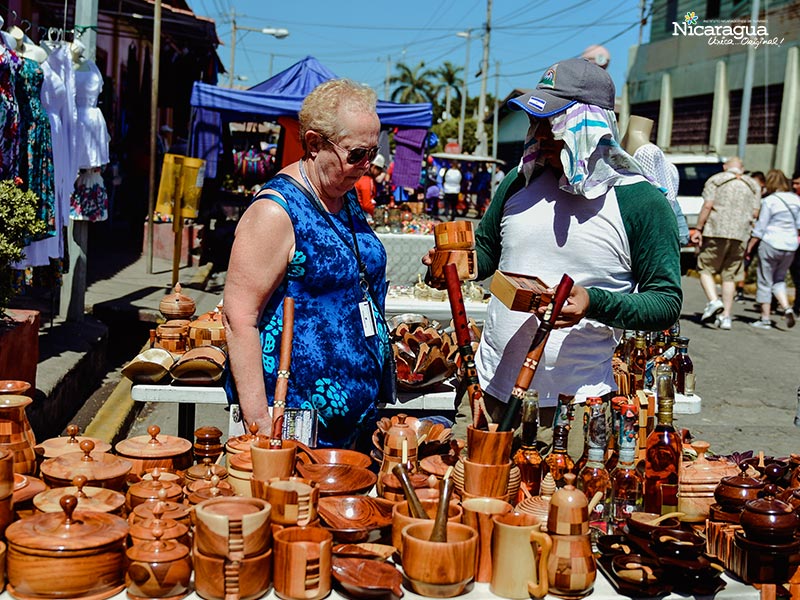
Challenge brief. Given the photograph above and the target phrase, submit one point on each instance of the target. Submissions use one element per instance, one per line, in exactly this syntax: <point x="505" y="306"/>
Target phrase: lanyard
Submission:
<point x="362" y="268"/>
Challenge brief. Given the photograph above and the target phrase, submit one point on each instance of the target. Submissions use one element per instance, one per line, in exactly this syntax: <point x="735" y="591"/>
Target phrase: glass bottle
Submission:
<point x="637" y="364"/>
<point x="527" y="458"/>
<point x="593" y="476"/>
<point x="626" y="482"/>
<point x="659" y="345"/>
<point x="559" y="462"/>
<point x="612" y="449"/>
<point x="683" y="368"/>
<point x="663" y="450"/>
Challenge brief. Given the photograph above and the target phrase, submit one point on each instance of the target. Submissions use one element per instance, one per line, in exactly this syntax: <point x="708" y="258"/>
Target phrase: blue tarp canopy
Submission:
<point x="278" y="96"/>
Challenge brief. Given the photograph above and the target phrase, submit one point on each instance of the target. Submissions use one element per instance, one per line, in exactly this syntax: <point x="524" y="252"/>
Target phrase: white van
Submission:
<point x="693" y="171"/>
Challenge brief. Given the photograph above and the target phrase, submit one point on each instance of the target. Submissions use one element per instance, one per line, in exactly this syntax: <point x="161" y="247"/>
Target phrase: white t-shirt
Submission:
<point x="778" y="221"/>
<point x="547" y="232"/>
<point x="452" y="181"/>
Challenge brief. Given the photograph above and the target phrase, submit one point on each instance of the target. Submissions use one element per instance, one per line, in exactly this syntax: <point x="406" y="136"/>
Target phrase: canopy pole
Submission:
<point x="151" y="192"/>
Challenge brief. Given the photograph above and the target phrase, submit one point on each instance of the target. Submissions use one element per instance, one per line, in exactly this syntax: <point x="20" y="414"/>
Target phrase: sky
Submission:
<point x="360" y="39"/>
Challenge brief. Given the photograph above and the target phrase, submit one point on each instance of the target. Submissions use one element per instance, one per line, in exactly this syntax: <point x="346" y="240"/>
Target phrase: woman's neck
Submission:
<point x="332" y="203"/>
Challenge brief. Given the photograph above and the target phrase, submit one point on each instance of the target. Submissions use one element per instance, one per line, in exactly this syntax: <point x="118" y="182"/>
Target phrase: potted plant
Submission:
<point x="19" y="329"/>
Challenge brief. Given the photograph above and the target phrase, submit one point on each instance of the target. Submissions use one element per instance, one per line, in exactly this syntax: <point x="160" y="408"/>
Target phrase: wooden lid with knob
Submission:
<point x="70" y="443"/>
<point x="95" y="466"/>
<point x="89" y="497"/>
<point x="153" y="445"/>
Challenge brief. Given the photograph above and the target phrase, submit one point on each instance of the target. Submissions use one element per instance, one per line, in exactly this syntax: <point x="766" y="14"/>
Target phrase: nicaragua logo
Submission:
<point x="725" y="33"/>
<point x="549" y="78"/>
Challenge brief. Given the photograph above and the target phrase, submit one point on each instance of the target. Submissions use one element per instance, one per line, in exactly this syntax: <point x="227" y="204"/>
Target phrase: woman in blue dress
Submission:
<point x="305" y="236"/>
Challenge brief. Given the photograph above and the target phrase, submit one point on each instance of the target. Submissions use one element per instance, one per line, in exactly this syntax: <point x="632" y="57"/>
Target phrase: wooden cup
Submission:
<point x="489" y="447"/>
<point x="401" y="518"/>
<point x="294" y="500"/>
<point x="222" y="579"/>
<point x="439" y="569"/>
<point x="515" y="572"/>
<point x="303" y="563"/>
<point x="466" y="262"/>
<point x="273" y="462"/>
<point x="478" y="513"/>
<point x="231" y="525"/>
<point x="454" y="235"/>
<point x="490" y="481"/>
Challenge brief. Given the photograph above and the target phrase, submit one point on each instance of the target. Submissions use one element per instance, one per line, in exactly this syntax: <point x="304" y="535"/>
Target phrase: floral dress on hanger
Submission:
<point x="36" y="143"/>
<point x="9" y="114"/>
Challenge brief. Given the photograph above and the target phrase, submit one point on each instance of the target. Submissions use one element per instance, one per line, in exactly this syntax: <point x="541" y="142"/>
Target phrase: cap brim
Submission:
<point x="540" y="104"/>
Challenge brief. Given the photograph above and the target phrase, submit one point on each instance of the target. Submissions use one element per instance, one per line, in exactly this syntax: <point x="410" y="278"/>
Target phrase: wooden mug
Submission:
<point x="302" y="563"/>
<point x="490" y="481"/>
<point x="478" y="513"/>
<point x="515" y="572"/>
<point x="294" y="500"/>
<point x="489" y="447"/>
<point x="272" y="462"/>
<point x="232" y="524"/>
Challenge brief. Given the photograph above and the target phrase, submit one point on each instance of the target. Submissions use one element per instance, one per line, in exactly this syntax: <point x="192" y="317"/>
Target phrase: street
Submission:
<point x="747" y="379"/>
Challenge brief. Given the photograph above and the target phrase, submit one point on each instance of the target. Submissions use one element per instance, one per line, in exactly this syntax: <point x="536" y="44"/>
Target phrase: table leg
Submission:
<point x="186" y="420"/>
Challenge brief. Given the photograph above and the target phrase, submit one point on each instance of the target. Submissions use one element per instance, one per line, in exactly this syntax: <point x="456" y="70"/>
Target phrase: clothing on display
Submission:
<point x="89" y="201"/>
<point x="36" y="146"/>
<point x="10" y="64"/>
<point x="94" y="139"/>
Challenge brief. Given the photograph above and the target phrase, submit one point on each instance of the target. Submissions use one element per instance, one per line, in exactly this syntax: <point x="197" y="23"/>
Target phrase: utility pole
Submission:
<point x="481" y="130"/>
<point x="73" y="289"/>
<point x="495" y="119"/>
<point x="233" y="46"/>
<point x="747" y="90"/>
<point x="151" y="191"/>
<point x="387" y="78"/>
<point x="468" y="35"/>
<point x="642" y="8"/>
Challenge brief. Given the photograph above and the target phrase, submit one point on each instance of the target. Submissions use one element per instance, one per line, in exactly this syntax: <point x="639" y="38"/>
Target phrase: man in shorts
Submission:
<point x="731" y="203"/>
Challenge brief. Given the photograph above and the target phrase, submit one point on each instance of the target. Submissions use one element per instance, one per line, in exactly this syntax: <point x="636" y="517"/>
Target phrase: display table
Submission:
<point x="437" y="400"/>
<point x="603" y="590"/>
<point x="437" y="310"/>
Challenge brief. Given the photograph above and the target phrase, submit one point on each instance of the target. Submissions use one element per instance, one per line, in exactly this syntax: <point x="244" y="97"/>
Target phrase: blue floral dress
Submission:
<point x="336" y="368"/>
<point x="36" y="142"/>
<point x="9" y="114"/>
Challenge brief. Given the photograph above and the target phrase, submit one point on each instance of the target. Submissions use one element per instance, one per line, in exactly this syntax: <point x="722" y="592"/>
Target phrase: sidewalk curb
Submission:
<point x="113" y="417"/>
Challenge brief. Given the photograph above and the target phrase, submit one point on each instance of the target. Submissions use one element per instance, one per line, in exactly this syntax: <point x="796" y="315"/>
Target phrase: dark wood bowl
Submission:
<point x="339" y="480"/>
<point x="677" y="543"/>
<point x="336" y="456"/>
<point x="364" y="578"/>
<point x="638" y="524"/>
<point x="352" y="518"/>
<point x="14" y="386"/>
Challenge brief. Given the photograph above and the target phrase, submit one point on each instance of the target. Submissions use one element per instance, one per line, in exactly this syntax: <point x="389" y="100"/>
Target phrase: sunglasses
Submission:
<point x="356" y="155"/>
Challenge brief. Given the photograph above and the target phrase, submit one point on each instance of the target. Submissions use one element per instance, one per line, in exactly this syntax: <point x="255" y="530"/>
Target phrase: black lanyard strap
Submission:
<point x="317" y="203"/>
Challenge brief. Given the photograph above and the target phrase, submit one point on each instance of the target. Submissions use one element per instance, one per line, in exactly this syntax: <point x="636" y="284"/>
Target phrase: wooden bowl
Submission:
<point x="151" y="366"/>
<point x="638" y="524"/>
<point x="14" y="386"/>
<point x="367" y="550"/>
<point x="677" y="543"/>
<point x="352" y="518"/>
<point x="439" y="569"/>
<point x="364" y="578"/>
<point x="636" y="569"/>
<point x="401" y="517"/>
<point x="339" y="480"/>
<point x="337" y="456"/>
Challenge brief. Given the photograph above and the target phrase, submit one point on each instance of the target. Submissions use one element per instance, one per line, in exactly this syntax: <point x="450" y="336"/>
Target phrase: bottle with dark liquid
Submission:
<point x="612" y="449"/>
<point x="627" y="483"/>
<point x="637" y="364"/>
<point x="559" y="462"/>
<point x="663" y="450"/>
<point x="659" y="345"/>
<point x="527" y="458"/>
<point x="683" y="368"/>
<point x="593" y="476"/>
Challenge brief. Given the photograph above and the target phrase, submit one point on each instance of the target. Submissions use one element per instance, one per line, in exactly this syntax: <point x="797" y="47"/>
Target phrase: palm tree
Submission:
<point x="449" y="81"/>
<point x="411" y="85"/>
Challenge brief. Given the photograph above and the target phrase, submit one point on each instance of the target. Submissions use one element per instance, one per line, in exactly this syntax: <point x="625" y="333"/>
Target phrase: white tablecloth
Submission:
<point x="404" y="252"/>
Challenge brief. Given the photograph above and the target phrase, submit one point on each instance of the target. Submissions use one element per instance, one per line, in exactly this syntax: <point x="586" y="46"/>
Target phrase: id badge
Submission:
<point x="367" y="318"/>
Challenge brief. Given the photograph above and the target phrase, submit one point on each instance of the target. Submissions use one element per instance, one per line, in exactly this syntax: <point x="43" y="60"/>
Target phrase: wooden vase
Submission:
<point x="490" y="447"/>
<point x="16" y="434"/>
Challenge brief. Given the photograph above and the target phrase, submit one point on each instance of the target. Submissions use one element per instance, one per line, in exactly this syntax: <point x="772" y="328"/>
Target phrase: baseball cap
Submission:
<point x="379" y="161"/>
<point x="565" y="83"/>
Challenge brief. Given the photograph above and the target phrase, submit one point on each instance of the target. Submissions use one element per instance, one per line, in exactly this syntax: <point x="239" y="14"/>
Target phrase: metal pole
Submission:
<point x="271" y="59"/>
<point x="495" y="119"/>
<point x="387" y="78"/>
<point x="151" y="191"/>
<point x="481" y="130"/>
<point x="233" y="47"/>
<point x="642" y="8"/>
<point x="464" y="96"/>
<point x="747" y="90"/>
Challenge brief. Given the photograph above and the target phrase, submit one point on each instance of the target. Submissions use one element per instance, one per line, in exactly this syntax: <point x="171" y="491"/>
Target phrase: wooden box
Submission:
<point x="524" y="293"/>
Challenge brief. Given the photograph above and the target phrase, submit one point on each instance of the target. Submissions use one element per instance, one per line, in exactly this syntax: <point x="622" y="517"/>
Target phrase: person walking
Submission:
<point x="731" y="203"/>
<point x="794" y="270"/>
<point x="775" y="233"/>
<point x="451" y="187"/>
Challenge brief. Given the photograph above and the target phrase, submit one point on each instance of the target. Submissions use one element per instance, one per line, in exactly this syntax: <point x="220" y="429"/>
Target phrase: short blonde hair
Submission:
<point x="321" y="108"/>
<point x="777" y="182"/>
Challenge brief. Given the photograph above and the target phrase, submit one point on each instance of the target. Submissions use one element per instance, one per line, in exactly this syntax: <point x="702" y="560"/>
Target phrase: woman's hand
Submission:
<point x="574" y="308"/>
<point x="428" y="258"/>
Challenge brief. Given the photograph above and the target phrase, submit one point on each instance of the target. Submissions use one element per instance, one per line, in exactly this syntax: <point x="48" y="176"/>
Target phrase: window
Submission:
<point x="672" y="14"/>
<point x="712" y="9"/>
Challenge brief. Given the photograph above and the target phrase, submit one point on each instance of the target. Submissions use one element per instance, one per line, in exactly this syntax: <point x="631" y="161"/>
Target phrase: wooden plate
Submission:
<point x="367" y="550"/>
<point x="351" y="518"/>
<point x="364" y="578"/>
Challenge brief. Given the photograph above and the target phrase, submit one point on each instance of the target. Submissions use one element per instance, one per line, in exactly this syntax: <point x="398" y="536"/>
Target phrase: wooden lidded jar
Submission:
<point x="177" y="305"/>
<point x="158" y="569"/>
<point x="204" y="471"/>
<point x="66" y="555"/>
<point x="100" y="469"/>
<point x="142" y="531"/>
<point x="171" y="510"/>
<point x="240" y="443"/>
<point x="208" y="443"/>
<point x="154" y="450"/>
<point x="697" y="481"/>
<point x="151" y="489"/>
<point x="735" y="490"/>
<point x="17" y="433"/>
<point x="240" y="472"/>
<point x="89" y="498"/>
<point x="399" y="446"/>
<point x="69" y="443"/>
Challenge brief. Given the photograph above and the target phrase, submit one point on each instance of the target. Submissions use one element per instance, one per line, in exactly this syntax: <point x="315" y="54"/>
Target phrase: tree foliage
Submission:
<point x="412" y="84"/>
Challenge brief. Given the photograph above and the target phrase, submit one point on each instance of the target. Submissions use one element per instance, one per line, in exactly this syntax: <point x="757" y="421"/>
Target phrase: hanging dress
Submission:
<point x="336" y="369"/>
<point x="36" y="143"/>
<point x="10" y="64"/>
<point x="89" y="201"/>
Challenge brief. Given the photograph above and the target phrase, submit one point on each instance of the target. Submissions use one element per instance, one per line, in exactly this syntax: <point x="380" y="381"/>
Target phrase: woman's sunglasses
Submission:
<point x="356" y="155"/>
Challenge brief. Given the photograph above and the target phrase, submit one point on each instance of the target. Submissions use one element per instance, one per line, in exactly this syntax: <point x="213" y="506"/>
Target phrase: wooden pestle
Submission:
<point x="439" y="531"/>
<point x="414" y="505"/>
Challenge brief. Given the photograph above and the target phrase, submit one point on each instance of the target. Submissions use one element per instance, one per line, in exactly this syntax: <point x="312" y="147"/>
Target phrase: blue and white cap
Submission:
<point x="565" y="83"/>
